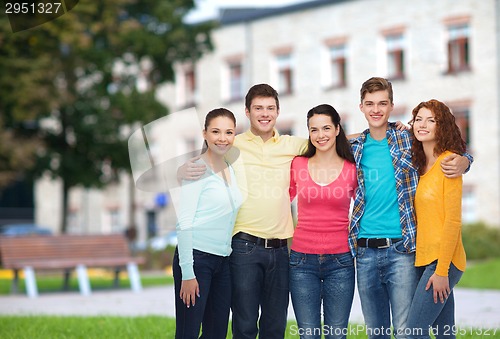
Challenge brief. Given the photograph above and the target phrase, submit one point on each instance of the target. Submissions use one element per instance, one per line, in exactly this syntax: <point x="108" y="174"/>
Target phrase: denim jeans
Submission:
<point x="259" y="279"/>
<point x="387" y="279"/>
<point x="322" y="278"/>
<point x="211" y="311"/>
<point x="424" y="313"/>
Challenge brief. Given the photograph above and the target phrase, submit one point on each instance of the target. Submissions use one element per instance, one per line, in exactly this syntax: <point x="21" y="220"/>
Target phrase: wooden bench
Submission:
<point x="68" y="253"/>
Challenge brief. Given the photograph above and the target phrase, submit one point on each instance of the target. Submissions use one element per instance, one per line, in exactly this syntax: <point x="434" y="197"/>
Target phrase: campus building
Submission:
<point x="321" y="52"/>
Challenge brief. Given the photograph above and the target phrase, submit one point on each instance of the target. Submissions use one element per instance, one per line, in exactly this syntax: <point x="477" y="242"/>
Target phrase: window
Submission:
<point x="235" y="81"/>
<point x="186" y="91"/>
<point x="458" y="48"/>
<point x="189" y="87"/>
<point x="344" y="121"/>
<point x="462" y="119"/>
<point x="338" y="65"/>
<point x="285" y="74"/>
<point x="395" y="56"/>
<point x="114" y="220"/>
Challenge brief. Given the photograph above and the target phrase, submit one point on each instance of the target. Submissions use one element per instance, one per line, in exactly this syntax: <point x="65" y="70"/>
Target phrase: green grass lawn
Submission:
<point x="484" y="275"/>
<point x="13" y="327"/>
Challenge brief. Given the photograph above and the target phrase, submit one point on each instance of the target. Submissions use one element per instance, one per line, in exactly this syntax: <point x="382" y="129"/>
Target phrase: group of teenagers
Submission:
<point x="360" y="202"/>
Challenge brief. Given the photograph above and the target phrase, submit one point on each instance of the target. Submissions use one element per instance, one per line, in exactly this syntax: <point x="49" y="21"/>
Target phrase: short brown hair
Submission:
<point x="261" y="90"/>
<point x="376" y="84"/>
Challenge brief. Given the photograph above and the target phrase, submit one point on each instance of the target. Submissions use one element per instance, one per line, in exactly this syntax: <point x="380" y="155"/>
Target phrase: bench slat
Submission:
<point x="72" y="263"/>
<point x="69" y="252"/>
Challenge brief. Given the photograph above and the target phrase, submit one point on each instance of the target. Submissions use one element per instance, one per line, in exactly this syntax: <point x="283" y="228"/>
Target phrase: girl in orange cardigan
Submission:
<point x="440" y="255"/>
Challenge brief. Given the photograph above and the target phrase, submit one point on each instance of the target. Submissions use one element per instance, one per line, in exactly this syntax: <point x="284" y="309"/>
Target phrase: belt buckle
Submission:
<point x="387" y="243"/>
<point x="265" y="244"/>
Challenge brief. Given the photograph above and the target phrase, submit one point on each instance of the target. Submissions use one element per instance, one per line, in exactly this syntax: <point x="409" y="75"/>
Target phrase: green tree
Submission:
<point x="62" y="88"/>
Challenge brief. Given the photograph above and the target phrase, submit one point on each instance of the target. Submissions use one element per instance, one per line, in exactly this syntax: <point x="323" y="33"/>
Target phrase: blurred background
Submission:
<point x="73" y="90"/>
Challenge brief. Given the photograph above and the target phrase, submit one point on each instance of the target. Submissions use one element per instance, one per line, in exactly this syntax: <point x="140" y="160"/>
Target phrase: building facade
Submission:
<point x="321" y="52"/>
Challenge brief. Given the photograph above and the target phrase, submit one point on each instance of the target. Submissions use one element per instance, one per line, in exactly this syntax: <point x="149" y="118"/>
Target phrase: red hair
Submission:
<point x="448" y="137"/>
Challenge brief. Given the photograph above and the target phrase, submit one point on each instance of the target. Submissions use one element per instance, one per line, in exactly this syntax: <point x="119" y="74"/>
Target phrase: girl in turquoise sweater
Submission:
<point x="208" y="209"/>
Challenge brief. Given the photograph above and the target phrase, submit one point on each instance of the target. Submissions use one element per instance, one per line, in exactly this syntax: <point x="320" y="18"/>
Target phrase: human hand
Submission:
<point x="189" y="291"/>
<point x="440" y="286"/>
<point x="454" y="165"/>
<point x="191" y="170"/>
<point x="400" y="126"/>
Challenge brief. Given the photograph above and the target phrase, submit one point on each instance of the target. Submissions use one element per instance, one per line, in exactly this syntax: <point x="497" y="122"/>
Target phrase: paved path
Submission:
<point x="479" y="309"/>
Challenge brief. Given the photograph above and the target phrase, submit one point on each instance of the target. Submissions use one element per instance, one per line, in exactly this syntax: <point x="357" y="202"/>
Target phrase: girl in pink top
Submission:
<point x="321" y="267"/>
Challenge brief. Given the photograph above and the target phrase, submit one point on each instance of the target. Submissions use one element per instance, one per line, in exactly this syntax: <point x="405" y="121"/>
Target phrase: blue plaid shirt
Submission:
<point x="406" y="185"/>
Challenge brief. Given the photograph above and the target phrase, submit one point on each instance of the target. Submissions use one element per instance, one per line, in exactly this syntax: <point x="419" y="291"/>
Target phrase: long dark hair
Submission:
<point x="215" y="113"/>
<point x="341" y="145"/>
<point x="448" y="137"/>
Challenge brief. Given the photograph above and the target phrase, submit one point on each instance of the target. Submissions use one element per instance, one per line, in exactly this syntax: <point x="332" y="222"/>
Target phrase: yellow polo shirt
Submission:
<point x="263" y="174"/>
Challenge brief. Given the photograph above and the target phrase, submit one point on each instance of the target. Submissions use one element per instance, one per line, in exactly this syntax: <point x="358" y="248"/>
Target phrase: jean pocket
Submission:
<point x="360" y="252"/>
<point x="296" y="259"/>
<point x="345" y="260"/>
<point x="241" y="246"/>
<point x="400" y="248"/>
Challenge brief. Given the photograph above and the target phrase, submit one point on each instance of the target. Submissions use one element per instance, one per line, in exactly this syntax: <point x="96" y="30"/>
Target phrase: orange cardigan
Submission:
<point x="438" y="206"/>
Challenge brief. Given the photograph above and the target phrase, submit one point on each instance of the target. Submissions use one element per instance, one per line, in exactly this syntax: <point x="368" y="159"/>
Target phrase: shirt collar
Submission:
<point x="250" y="136"/>
<point x="391" y="126"/>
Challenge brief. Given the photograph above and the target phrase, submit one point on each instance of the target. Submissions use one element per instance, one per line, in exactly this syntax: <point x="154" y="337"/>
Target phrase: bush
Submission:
<point x="157" y="259"/>
<point x="481" y="241"/>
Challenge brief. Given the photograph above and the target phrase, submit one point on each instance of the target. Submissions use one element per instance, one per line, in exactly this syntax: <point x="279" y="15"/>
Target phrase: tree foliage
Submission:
<point x="73" y="87"/>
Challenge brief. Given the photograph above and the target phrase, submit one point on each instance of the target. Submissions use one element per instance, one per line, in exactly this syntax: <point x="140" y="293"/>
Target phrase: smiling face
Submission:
<point x="219" y="135"/>
<point x="322" y="132"/>
<point x="262" y="114"/>
<point x="424" y="125"/>
<point x="377" y="108"/>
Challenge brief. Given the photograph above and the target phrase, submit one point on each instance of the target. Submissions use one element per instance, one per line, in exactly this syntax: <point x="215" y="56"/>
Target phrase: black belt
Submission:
<point x="377" y="242"/>
<point x="267" y="243"/>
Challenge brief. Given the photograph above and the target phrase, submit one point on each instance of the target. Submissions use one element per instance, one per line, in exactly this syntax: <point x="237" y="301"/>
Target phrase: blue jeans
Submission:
<point x="259" y="279"/>
<point x="211" y="311"/>
<point x="387" y="279"/>
<point x="424" y="313"/>
<point x="317" y="278"/>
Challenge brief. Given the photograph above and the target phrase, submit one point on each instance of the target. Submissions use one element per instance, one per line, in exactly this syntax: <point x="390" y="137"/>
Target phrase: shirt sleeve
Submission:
<point x="189" y="199"/>
<point x="293" y="182"/>
<point x="452" y="224"/>
<point x="471" y="160"/>
<point x="300" y="144"/>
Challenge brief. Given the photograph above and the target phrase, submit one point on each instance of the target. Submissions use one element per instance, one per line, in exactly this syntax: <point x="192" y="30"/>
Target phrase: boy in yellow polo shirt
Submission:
<point x="259" y="260"/>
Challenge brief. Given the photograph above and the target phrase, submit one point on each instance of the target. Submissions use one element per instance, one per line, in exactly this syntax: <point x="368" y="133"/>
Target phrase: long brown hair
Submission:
<point x="448" y="136"/>
<point x="342" y="146"/>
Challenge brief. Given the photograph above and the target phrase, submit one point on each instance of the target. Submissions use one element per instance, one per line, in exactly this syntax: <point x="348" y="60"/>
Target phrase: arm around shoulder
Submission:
<point x="455" y="165"/>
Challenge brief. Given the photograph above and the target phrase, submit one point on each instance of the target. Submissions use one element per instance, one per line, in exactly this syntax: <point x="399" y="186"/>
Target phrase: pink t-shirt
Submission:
<point x="323" y="211"/>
